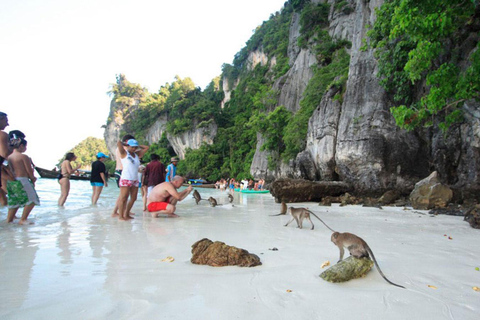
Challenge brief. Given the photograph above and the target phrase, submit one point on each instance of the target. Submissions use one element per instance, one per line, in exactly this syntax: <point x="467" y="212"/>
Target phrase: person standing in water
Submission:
<point x="129" y="179"/>
<point x="172" y="170"/>
<point x="4" y="153"/>
<point x="98" y="178"/>
<point x="21" y="191"/>
<point x="66" y="171"/>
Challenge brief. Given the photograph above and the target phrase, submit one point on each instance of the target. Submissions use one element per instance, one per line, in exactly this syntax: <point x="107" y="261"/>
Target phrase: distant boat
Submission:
<point x="52" y="174"/>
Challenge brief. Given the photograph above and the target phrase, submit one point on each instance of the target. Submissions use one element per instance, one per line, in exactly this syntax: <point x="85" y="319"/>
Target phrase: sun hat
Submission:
<point x="132" y="143"/>
<point x="174" y="159"/>
<point x="102" y="155"/>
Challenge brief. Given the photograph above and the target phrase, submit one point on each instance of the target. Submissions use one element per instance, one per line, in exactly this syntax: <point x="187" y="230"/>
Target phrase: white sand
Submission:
<point x="83" y="264"/>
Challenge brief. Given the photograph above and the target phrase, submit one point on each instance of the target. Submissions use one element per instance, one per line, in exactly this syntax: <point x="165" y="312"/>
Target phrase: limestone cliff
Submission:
<point x="357" y="140"/>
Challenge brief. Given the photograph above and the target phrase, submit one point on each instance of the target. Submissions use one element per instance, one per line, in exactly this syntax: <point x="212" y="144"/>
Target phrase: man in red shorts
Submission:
<point x="163" y="198"/>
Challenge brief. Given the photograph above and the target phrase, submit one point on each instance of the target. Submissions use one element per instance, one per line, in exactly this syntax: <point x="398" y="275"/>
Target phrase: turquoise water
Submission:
<point x="79" y="201"/>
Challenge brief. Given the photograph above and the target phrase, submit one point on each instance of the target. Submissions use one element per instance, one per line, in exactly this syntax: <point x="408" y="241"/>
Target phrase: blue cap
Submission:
<point x="102" y="155"/>
<point x="132" y="143"/>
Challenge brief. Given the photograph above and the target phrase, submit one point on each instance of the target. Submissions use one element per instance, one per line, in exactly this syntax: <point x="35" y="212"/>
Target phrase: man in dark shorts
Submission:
<point x="163" y="198"/>
<point x="154" y="173"/>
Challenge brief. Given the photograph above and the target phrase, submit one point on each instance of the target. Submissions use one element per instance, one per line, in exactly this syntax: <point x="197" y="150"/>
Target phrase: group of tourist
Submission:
<point x="159" y="188"/>
<point x="158" y="185"/>
<point x="233" y="184"/>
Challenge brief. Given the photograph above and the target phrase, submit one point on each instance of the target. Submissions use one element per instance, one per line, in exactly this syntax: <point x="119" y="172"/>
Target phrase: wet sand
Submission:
<point x="79" y="263"/>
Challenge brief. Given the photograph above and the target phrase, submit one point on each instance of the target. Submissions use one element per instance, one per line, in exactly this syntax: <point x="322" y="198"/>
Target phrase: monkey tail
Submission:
<point x="280" y="214"/>
<point x="321" y="221"/>
<point x="380" y="270"/>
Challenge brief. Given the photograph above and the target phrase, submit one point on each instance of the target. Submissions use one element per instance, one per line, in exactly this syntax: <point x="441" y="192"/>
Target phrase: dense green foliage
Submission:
<point x="86" y="152"/>
<point x="252" y="107"/>
<point x="419" y="43"/>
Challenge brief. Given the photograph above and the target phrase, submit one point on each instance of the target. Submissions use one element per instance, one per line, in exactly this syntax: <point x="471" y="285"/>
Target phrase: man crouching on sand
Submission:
<point x="163" y="198"/>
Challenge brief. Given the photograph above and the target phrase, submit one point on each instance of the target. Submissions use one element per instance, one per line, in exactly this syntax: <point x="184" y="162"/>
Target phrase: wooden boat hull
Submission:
<point x="50" y="174"/>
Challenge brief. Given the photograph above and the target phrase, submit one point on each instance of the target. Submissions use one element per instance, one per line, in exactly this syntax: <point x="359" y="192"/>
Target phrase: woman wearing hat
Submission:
<point x="130" y="157"/>
<point x="98" y="178"/>
<point x="172" y="169"/>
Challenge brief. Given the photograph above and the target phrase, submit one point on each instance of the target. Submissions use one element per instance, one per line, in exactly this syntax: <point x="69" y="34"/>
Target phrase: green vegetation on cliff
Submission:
<point x="86" y="152"/>
<point x="420" y="47"/>
<point x="253" y="106"/>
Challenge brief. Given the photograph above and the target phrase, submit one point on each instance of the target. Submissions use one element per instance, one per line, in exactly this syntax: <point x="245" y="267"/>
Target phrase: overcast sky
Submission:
<point x="59" y="57"/>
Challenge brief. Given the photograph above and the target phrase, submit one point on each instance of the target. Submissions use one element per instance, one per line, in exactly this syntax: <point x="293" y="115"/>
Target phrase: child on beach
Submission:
<point x="21" y="191"/>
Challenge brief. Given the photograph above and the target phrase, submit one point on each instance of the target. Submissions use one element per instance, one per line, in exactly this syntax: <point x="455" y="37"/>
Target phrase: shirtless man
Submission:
<point x="21" y="191"/>
<point x="163" y="198"/>
<point x="4" y="153"/>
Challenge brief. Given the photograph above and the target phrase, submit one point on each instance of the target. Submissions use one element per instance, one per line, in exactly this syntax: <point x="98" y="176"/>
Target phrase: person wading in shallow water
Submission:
<point x="129" y="179"/>
<point x="21" y="191"/>
<point x="4" y="153"/>
<point x="98" y="178"/>
<point x="66" y="171"/>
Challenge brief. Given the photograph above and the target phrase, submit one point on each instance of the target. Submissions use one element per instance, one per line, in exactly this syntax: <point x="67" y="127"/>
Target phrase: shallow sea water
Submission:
<point x="80" y="263"/>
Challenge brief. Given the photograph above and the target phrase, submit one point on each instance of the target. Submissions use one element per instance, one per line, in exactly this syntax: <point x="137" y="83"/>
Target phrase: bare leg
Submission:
<point x="11" y="214"/>
<point x="96" y="194"/>
<point x="115" y="209"/>
<point x="3" y="198"/>
<point x="144" y="197"/>
<point x="64" y="189"/>
<point x="122" y="203"/>
<point x="169" y="211"/>
<point x="26" y="212"/>
<point x="133" y="198"/>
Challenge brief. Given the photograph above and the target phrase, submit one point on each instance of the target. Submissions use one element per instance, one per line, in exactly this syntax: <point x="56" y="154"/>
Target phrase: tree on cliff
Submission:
<point x="421" y="47"/>
<point x="86" y="151"/>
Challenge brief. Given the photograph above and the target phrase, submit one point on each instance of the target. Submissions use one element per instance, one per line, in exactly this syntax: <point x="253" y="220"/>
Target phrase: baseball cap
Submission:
<point x="102" y="155"/>
<point x="132" y="143"/>
<point x="174" y="159"/>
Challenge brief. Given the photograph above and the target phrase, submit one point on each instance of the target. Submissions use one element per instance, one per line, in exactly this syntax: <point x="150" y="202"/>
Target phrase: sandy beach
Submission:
<point x="79" y="263"/>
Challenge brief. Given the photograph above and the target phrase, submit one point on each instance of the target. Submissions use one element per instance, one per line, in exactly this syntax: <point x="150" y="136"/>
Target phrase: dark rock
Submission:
<point x="297" y="190"/>
<point x="450" y="211"/>
<point x="347" y="199"/>
<point x="429" y="193"/>
<point x="389" y="197"/>
<point x="472" y="216"/>
<point x="218" y="254"/>
<point x="371" y="202"/>
<point x="347" y="269"/>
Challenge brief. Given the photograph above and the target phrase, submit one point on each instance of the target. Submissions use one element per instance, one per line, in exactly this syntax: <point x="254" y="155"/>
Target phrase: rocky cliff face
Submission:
<point x="113" y="129"/>
<point x="192" y="139"/>
<point x="357" y="141"/>
<point x="180" y="143"/>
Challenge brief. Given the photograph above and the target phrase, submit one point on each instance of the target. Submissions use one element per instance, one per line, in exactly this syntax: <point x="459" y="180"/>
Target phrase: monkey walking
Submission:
<point x="357" y="248"/>
<point x="299" y="214"/>
<point x="197" y="196"/>
<point x="282" y="211"/>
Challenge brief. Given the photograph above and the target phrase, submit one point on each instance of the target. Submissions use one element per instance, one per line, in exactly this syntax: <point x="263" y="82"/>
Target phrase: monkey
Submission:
<point x="299" y="214"/>
<point x="213" y="202"/>
<point x="282" y="211"/>
<point x="230" y="198"/>
<point x="197" y="196"/>
<point x="357" y="248"/>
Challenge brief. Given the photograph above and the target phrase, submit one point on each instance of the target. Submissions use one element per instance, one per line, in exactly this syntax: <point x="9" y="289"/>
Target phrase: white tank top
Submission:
<point x="130" y="167"/>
